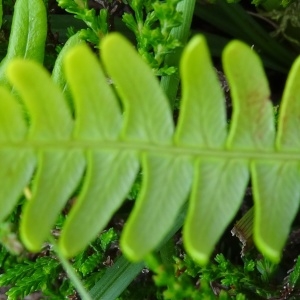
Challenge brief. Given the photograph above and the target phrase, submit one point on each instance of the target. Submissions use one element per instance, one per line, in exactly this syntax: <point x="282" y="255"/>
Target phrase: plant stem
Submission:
<point x="170" y="83"/>
<point x="121" y="274"/>
<point x="71" y="272"/>
<point x="243" y="230"/>
<point x="116" y="279"/>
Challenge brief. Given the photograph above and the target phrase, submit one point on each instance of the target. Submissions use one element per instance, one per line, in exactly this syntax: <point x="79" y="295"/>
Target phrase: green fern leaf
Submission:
<point x="108" y="144"/>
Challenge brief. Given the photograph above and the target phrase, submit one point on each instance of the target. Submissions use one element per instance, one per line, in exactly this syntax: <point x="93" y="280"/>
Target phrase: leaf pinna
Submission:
<point x="200" y="159"/>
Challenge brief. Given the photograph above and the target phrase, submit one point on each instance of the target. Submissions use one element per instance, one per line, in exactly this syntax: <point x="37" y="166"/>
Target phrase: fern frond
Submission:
<point x="108" y="144"/>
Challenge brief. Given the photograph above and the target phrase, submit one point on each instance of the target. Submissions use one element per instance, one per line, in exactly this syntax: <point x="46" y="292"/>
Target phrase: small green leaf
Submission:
<point x="147" y="113"/>
<point x="50" y="115"/>
<point x="288" y="136"/>
<point x="252" y="124"/>
<point x="202" y="120"/>
<point x="107" y="182"/>
<point x="276" y="195"/>
<point x="59" y="173"/>
<point x="209" y="213"/>
<point x="98" y="113"/>
<point x="158" y="204"/>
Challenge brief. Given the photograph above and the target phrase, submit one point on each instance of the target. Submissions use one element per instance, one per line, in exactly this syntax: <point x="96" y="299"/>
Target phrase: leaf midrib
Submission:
<point x="266" y="155"/>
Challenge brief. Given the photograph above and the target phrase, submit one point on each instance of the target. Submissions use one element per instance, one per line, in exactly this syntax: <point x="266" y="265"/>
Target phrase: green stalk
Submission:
<point x="119" y="276"/>
<point x="170" y="83"/>
<point x="116" y="279"/>
<point x="70" y="272"/>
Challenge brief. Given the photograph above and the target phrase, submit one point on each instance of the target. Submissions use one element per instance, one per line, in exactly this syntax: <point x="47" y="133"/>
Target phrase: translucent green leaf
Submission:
<point x="147" y="113"/>
<point x="202" y="120"/>
<point x="288" y="136"/>
<point x="157" y="205"/>
<point x="108" y="179"/>
<point x="219" y="186"/>
<point x="59" y="173"/>
<point x="252" y="124"/>
<point x="97" y="108"/>
<point x="276" y="193"/>
<point x="50" y="115"/>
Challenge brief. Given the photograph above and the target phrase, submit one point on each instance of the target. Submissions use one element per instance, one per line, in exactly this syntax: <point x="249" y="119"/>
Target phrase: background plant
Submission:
<point x="150" y="21"/>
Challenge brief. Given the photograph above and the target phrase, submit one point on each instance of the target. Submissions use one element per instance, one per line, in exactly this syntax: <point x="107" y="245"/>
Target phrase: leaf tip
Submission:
<point x="267" y="250"/>
<point x="201" y="258"/>
<point x="13" y="66"/>
<point x="18" y="69"/>
<point x="196" y="41"/>
<point x="192" y="247"/>
<point x="129" y="251"/>
<point x="111" y="40"/>
<point x="65" y="250"/>
<point x="77" y="50"/>
<point x="28" y="240"/>
<point x="196" y="46"/>
<point x="236" y="51"/>
<point x="235" y="46"/>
